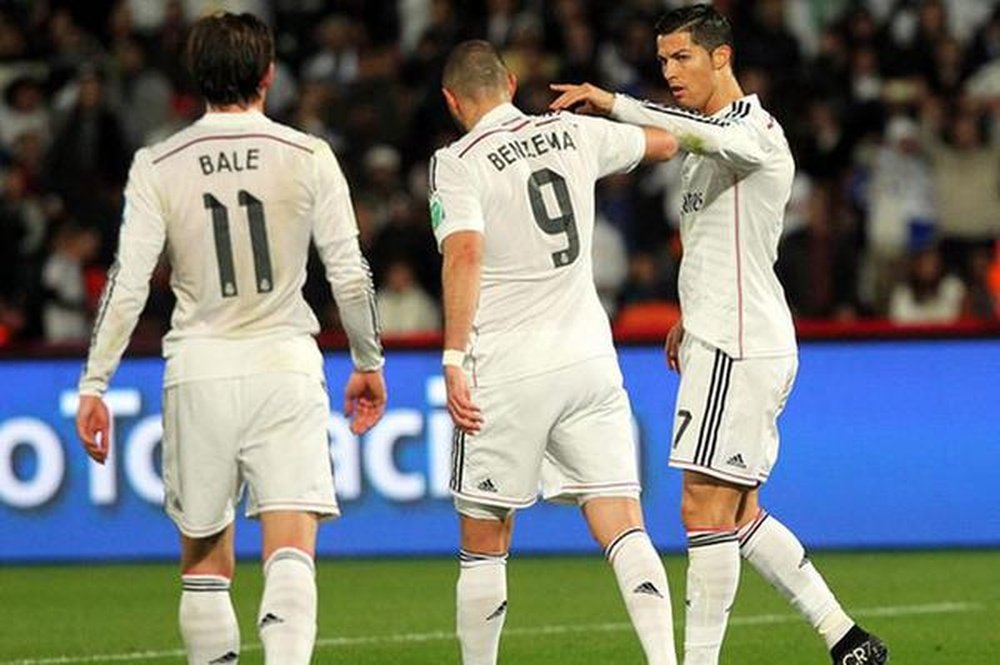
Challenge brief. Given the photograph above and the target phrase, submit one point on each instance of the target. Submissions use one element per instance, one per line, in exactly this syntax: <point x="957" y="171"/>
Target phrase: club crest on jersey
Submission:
<point x="437" y="211"/>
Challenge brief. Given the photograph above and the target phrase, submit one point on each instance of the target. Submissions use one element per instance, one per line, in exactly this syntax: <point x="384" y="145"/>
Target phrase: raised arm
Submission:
<point x="727" y="139"/>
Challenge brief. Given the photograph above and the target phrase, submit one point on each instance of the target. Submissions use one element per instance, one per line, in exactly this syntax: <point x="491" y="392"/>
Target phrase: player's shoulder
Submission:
<point x="260" y="126"/>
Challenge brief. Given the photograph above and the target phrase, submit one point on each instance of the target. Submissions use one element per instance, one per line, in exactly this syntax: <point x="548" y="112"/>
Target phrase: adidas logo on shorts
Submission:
<point x="737" y="461"/>
<point x="487" y="486"/>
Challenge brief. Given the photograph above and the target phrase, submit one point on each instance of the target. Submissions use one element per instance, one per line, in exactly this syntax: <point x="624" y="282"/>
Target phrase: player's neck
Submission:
<point x="727" y="92"/>
<point x="256" y="106"/>
<point x="473" y="113"/>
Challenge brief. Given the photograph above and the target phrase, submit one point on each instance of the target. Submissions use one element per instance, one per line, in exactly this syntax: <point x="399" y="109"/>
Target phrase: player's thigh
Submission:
<point x="749" y="438"/>
<point x="285" y="451"/>
<point x="591" y="450"/>
<point x="500" y="465"/>
<point x="201" y="425"/>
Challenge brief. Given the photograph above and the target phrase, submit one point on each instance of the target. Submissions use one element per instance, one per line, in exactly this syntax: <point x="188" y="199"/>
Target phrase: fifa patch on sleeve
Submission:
<point x="437" y="211"/>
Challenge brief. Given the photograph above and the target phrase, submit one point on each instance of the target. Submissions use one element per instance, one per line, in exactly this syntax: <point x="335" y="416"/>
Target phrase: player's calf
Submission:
<point x="287" y="618"/>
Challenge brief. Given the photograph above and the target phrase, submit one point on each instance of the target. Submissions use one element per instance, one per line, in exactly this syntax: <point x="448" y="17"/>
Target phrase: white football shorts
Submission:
<point x="266" y="431"/>
<point x="567" y="433"/>
<point x="726" y="421"/>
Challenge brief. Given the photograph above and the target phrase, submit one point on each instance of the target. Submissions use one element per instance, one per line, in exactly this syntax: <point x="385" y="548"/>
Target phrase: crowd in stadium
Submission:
<point x="892" y="109"/>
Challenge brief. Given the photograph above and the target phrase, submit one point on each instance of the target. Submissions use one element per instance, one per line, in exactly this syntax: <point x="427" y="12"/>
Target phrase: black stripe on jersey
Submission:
<point x="227" y="137"/>
<point x="687" y="115"/>
<point x="373" y="305"/>
<point x="433" y="174"/>
<point x="714" y="435"/>
<point x="491" y="132"/>
<point x="102" y="310"/>
<point x="740" y="110"/>
<point x="709" y="401"/>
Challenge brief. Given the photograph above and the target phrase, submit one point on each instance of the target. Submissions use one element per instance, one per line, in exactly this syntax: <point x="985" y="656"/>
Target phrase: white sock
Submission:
<point x="643" y="584"/>
<point x="781" y="559"/>
<point x="481" y="602"/>
<point x="287" y="619"/>
<point x="208" y="621"/>
<point x="712" y="578"/>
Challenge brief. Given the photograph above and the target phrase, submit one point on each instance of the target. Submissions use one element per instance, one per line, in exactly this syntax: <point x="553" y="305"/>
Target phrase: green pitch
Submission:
<point x="931" y="607"/>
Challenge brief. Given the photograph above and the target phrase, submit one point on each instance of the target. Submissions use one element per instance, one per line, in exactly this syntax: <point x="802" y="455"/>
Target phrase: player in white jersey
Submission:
<point x="533" y="383"/>
<point x="735" y="343"/>
<point x="234" y="200"/>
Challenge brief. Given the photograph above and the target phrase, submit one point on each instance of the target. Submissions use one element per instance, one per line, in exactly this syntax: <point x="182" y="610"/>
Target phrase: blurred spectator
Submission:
<point x="966" y="169"/>
<point x="610" y="261"/>
<point x="87" y="163"/>
<point x="64" y="304"/>
<point x="647" y="281"/>
<point x="338" y="59"/>
<point x="23" y="110"/>
<point x="928" y="295"/>
<point x="144" y="91"/>
<point x="403" y="307"/>
<point x="983" y="301"/>
<point x="901" y="211"/>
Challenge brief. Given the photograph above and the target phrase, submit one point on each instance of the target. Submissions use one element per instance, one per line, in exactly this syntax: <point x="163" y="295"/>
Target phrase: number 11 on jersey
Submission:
<point x="224" y="243"/>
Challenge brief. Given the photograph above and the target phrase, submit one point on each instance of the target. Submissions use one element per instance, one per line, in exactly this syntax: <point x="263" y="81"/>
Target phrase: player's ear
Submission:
<point x="511" y="84"/>
<point x="451" y="100"/>
<point x="722" y="56"/>
<point x="268" y="78"/>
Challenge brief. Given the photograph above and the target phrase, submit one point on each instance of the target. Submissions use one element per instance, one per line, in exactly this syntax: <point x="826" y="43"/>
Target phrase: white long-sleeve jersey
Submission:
<point x="234" y="199"/>
<point x="527" y="184"/>
<point x="737" y="179"/>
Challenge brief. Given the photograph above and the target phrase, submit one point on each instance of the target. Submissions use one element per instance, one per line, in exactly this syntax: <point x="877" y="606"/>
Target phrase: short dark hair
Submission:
<point x="709" y="29"/>
<point x="228" y="55"/>
<point x="473" y="68"/>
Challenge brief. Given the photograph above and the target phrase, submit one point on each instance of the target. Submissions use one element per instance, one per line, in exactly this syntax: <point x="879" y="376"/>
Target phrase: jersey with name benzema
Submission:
<point x="234" y="200"/>
<point x="527" y="184"/>
<point x="737" y="179"/>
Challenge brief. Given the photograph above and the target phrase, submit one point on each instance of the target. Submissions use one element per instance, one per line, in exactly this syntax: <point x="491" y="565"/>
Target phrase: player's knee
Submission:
<point x="485" y="529"/>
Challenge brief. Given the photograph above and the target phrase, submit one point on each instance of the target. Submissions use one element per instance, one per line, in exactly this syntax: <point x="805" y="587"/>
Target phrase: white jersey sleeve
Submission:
<point x="140" y="243"/>
<point x="454" y="199"/>
<point x="335" y="233"/>
<point x="615" y="147"/>
<point x="726" y="138"/>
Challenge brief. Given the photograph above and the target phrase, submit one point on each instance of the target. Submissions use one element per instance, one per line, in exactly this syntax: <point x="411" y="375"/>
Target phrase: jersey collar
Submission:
<point x="497" y="116"/>
<point x="238" y="119"/>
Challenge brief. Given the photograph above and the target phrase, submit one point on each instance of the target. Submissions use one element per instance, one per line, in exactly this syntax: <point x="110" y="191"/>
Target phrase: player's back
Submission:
<point x="237" y="194"/>
<point x="237" y="206"/>
<point x="531" y="181"/>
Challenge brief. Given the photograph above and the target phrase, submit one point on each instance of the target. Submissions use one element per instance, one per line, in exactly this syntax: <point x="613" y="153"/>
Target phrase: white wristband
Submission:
<point x="453" y="358"/>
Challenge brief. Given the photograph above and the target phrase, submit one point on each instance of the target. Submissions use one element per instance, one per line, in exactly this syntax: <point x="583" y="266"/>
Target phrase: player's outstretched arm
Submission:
<point x="582" y="98"/>
<point x="364" y="399"/>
